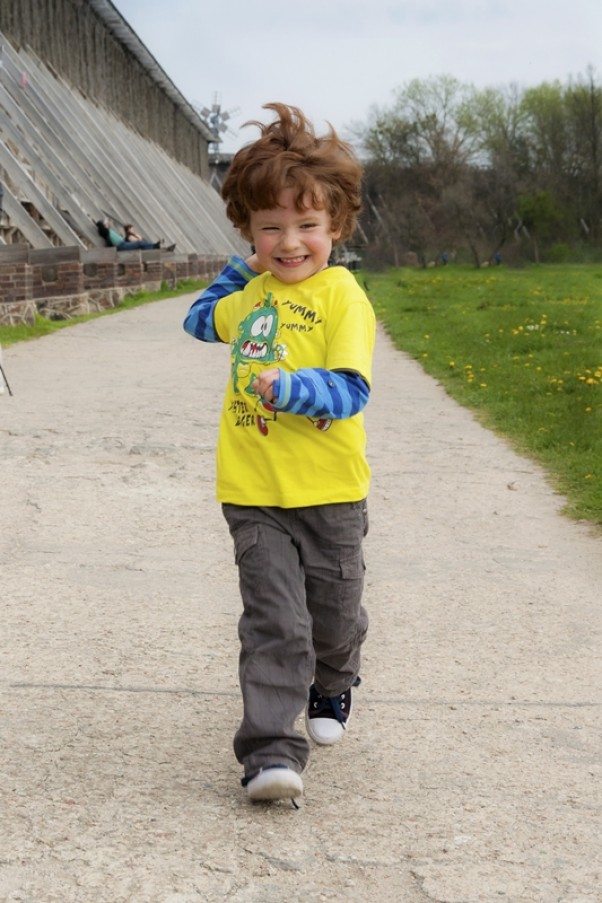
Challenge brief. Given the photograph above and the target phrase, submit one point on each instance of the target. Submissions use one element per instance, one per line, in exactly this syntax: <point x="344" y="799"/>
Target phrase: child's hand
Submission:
<point x="264" y="383"/>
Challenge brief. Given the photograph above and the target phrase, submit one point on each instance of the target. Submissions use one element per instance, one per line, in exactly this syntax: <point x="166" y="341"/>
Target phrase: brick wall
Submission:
<point x="56" y="271"/>
<point x="59" y="283"/>
<point x="15" y="275"/>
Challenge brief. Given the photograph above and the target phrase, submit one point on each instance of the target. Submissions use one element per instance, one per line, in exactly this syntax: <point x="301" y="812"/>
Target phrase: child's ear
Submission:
<point x="336" y="234"/>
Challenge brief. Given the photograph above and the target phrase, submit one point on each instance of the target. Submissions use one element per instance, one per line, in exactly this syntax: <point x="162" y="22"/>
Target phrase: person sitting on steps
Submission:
<point x="132" y="236"/>
<point x="113" y="239"/>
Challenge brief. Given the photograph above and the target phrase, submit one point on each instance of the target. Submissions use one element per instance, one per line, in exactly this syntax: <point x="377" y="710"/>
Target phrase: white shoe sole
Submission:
<point x="275" y="784"/>
<point x="325" y="731"/>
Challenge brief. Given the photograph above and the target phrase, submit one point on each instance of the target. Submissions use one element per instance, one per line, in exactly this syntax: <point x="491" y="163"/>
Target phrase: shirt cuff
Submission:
<point x="282" y="389"/>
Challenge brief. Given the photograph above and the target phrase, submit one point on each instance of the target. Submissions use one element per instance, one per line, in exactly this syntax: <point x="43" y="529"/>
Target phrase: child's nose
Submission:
<point x="290" y="238"/>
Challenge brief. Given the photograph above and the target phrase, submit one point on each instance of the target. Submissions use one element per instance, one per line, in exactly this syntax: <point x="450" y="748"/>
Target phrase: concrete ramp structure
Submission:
<point x="92" y="128"/>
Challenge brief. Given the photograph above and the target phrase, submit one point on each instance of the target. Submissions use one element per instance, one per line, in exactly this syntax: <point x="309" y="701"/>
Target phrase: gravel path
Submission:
<point x="472" y="769"/>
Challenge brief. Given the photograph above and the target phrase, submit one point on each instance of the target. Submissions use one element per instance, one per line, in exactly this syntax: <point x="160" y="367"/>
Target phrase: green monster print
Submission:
<point x="253" y="349"/>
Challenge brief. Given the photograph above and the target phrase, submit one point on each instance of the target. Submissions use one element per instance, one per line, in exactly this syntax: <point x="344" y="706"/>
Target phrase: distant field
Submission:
<point x="523" y="348"/>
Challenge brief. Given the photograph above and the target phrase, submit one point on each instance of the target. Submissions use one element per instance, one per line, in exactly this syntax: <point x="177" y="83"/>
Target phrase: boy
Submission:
<point x="292" y="475"/>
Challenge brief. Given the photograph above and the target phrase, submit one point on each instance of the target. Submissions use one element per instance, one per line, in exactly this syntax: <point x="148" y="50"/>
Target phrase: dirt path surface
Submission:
<point x="472" y="768"/>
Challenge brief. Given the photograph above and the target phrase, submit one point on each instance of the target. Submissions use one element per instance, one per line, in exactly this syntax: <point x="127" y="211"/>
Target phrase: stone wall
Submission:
<point x="65" y="282"/>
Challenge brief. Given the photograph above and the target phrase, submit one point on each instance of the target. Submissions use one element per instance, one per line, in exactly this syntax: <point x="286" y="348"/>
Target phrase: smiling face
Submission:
<point x="292" y="244"/>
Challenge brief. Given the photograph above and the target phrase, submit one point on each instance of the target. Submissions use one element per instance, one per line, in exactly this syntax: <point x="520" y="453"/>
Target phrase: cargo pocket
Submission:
<point x="353" y="568"/>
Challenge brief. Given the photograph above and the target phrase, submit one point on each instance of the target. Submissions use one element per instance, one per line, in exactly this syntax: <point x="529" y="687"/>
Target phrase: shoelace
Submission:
<point x="329" y="706"/>
<point x="337" y="704"/>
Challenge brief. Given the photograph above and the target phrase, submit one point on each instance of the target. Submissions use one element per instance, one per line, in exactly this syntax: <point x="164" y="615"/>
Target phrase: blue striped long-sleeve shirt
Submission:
<point x="311" y="391"/>
<point x="199" y="319"/>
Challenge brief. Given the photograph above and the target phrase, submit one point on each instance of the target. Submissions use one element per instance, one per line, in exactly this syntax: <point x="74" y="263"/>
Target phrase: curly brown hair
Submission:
<point x="288" y="154"/>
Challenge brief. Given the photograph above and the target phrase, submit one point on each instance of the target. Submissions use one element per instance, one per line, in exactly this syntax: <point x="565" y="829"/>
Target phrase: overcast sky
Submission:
<point x="336" y="58"/>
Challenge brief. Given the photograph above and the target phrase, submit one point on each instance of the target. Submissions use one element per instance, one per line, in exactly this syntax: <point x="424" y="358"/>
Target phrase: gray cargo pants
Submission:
<point x="301" y="575"/>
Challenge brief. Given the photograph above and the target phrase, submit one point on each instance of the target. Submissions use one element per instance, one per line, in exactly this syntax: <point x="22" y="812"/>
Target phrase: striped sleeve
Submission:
<point x="314" y="392"/>
<point x="199" y="319"/>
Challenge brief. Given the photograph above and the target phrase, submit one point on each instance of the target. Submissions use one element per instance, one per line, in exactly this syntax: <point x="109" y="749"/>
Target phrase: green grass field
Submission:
<point x="523" y="348"/>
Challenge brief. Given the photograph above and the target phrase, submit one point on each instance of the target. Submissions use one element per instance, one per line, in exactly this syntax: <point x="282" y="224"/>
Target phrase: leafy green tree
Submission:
<point x="539" y="218"/>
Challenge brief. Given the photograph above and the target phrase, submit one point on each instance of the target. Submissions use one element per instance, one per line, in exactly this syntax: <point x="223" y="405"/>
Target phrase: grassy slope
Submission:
<point x="523" y="348"/>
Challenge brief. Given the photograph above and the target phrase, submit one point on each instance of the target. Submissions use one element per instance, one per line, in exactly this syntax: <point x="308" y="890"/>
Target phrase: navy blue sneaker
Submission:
<point x="327" y="717"/>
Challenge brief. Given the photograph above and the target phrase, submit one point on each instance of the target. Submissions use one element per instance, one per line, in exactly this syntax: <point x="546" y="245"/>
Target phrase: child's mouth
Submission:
<point x="291" y="261"/>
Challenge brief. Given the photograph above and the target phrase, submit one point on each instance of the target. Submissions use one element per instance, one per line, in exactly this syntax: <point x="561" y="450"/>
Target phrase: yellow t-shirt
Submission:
<point x="267" y="457"/>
